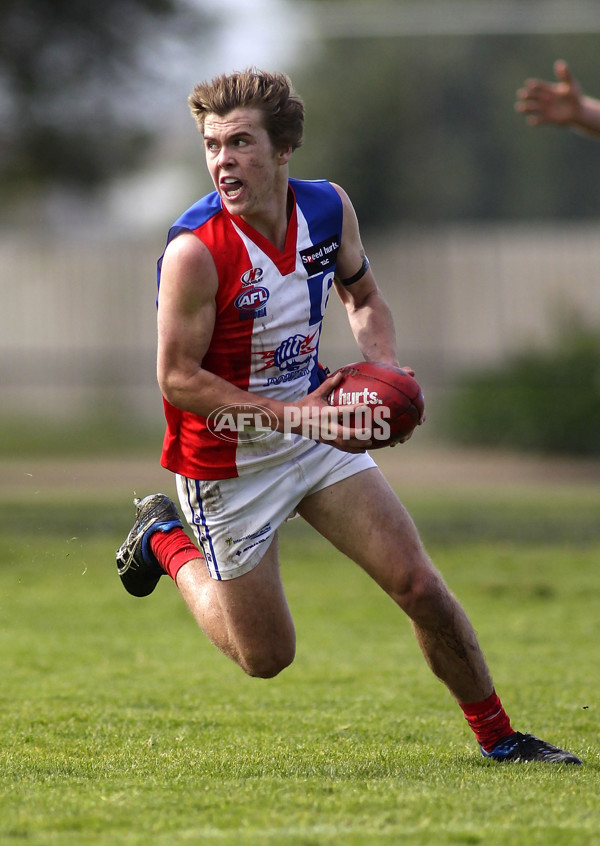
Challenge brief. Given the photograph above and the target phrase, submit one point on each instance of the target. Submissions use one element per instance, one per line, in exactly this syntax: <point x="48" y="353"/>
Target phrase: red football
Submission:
<point x="394" y="399"/>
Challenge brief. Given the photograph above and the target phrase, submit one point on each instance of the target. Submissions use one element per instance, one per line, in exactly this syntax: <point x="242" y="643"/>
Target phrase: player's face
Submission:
<point x="244" y="166"/>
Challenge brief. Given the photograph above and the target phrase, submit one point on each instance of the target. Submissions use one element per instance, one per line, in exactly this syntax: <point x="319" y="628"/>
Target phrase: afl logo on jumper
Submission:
<point x="252" y="302"/>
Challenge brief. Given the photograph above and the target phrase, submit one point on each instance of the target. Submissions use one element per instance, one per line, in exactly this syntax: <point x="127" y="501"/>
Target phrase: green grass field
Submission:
<point x="121" y="725"/>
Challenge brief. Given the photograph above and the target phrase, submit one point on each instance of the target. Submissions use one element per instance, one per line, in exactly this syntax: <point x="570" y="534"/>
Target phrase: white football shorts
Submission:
<point x="235" y="520"/>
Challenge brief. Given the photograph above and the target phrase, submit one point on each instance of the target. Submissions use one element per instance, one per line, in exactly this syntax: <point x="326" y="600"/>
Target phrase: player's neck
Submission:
<point x="272" y="221"/>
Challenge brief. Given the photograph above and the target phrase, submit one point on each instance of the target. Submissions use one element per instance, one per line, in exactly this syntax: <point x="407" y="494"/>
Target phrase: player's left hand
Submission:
<point x="410" y="372"/>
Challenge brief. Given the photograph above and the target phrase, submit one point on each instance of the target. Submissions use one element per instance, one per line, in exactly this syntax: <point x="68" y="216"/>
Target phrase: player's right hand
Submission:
<point x="557" y="103"/>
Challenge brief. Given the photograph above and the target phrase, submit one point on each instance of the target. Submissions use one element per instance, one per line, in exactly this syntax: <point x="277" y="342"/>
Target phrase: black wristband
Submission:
<point x="359" y="275"/>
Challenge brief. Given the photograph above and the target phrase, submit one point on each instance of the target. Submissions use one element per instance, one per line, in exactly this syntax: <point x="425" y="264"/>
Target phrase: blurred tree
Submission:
<point x="67" y="74"/>
<point x="543" y="400"/>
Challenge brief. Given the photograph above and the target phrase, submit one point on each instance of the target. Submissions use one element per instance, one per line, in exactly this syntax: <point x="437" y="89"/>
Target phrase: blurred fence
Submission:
<point x="77" y="327"/>
<point x="78" y="323"/>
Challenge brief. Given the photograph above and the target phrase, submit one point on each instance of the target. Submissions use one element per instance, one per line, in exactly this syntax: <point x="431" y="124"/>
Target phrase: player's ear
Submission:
<point x="284" y="155"/>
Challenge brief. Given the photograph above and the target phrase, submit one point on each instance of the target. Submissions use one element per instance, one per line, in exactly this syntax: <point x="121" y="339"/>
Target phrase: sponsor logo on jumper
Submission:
<point x="253" y="421"/>
<point x="320" y="256"/>
<point x="252" y="298"/>
<point x="288" y="377"/>
<point x="252" y="302"/>
<point x="252" y="276"/>
<point x="292" y="356"/>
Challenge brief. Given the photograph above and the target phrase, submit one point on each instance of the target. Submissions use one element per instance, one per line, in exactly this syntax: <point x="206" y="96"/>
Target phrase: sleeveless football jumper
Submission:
<point x="269" y="311"/>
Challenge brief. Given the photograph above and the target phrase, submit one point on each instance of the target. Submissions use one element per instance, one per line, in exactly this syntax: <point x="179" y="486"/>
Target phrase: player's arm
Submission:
<point x="561" y="103"/>
<point x="369" y="315"/>
<point x="186" y="319"/>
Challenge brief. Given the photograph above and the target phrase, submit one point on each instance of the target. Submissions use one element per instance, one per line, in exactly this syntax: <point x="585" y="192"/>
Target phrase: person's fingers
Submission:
<point x="563" y="72"/>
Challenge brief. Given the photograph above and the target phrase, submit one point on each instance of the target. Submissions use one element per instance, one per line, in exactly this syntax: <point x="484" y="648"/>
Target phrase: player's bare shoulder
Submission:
<point x="350" y="220"/>
<point x="351" y="253"/>
<point x="346" y="202"/>
<point x="188" y="264"/>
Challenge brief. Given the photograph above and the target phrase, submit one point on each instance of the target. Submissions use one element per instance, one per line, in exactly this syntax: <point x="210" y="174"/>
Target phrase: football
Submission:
<point x="393" y="400"/>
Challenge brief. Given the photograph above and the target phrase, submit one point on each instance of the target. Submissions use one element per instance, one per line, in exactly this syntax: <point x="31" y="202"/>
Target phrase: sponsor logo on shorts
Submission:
<point x="249" y="541"/>
<point x="250" y="546"/>
<point x="231" y="541"/>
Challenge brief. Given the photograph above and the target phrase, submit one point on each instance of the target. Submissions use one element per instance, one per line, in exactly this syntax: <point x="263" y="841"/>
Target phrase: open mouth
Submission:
<point x="231" y="187"/>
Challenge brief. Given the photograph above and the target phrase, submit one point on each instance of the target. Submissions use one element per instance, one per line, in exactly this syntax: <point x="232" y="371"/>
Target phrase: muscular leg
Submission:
<point x="247" y="618"/>
<point x="365" y="520"/>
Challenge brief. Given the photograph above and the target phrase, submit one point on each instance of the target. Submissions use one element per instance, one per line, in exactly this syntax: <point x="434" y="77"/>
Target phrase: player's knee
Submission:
<point x="269" y="663"/>
<point x="420" y="593"/>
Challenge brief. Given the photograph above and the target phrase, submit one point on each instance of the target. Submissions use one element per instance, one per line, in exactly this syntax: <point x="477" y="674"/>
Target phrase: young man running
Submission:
<point x="243" y="285"/>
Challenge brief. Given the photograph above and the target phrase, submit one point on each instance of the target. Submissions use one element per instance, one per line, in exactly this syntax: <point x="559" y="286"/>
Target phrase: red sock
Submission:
<point x="172" y="550"/>
<point x="489" y="721"/>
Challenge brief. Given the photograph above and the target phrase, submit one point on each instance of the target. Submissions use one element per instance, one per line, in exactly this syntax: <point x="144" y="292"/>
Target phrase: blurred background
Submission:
<point x="484" y="234"/>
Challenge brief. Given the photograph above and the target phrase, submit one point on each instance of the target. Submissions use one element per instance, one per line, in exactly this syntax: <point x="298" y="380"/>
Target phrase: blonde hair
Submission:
<point x="272" y="93"/>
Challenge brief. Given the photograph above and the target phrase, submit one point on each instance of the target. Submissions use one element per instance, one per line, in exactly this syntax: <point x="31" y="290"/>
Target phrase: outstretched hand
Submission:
<point x="557" y="103"/>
